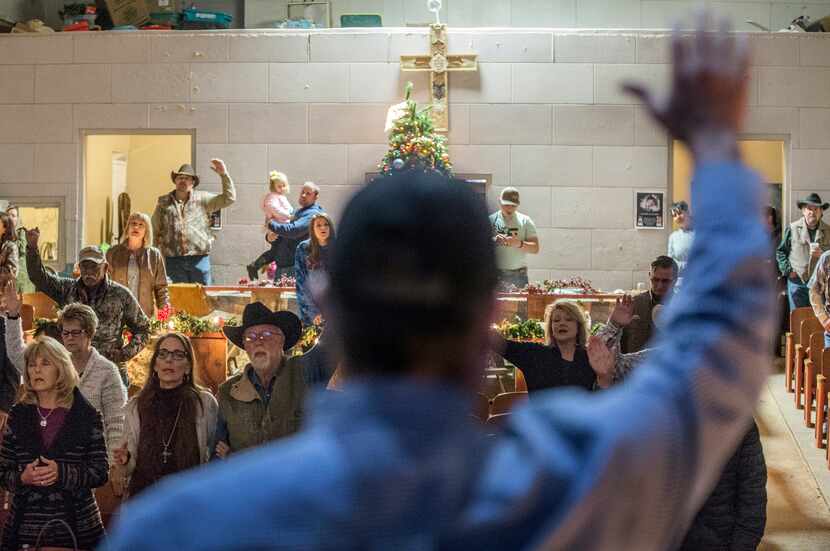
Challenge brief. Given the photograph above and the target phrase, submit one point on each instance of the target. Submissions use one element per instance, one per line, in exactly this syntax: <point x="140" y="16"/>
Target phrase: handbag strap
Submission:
<point x="68" y="529"/>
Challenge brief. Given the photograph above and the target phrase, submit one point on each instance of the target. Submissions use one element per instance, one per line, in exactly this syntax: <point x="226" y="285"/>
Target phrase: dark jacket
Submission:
<point x="152" y="276"/>
<point x="735" y="514"/>
<point x="81" y="455"/>
<point x="291" y="233"/>
<point x="637" y="333"/>
<point x="544" y="367"/>
<point x="9" y="378"/>
<point x="116" y="307"/>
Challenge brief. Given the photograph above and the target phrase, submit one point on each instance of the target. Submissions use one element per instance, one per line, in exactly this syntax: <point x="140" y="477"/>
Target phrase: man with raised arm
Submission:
<point x="394" y="460"/>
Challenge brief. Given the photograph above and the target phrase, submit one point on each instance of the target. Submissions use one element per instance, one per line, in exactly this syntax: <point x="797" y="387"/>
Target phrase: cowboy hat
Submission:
<point x="185" y="170"/>
<point x="813" y="200"/>
<point x="258" y="314"/>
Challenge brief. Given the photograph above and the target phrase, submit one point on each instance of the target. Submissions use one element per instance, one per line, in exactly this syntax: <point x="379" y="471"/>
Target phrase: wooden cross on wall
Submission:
<point x="439" y="64"/>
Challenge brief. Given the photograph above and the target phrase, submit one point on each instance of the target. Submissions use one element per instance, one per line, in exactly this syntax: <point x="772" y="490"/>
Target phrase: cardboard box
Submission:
<point x="163" y="6"/>
<point x="128" y="12"/>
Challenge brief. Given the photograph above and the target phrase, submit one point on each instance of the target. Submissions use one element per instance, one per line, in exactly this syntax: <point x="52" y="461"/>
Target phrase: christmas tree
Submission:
<point x="413" y="143"/>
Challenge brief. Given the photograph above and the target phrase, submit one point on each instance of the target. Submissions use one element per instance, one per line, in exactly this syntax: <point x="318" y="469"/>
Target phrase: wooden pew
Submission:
<point x="822" y="390"/>
<point x="791" y="339"/>
<point x="808" y="327"/>
<point x="812" y="367"/>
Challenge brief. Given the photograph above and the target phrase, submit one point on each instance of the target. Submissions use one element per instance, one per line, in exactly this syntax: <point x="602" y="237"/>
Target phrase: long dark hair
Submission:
<point x="152" y="384"/>
<point x="8" y="224"/>
<point x="315" y="249"/>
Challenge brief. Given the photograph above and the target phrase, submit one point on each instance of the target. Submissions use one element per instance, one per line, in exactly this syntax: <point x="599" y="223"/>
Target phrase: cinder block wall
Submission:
<point x="544" y="113"/>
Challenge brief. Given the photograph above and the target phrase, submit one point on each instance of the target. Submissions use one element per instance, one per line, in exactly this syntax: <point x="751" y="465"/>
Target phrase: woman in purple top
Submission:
<point x="53" y="455"/>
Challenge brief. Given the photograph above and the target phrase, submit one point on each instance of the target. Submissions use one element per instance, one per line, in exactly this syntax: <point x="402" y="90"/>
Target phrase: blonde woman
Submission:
<point x="563" y="359"/>
<point x="138" y="266"/>
<point x="53" y="455"/>
<point x="277" y="208"/>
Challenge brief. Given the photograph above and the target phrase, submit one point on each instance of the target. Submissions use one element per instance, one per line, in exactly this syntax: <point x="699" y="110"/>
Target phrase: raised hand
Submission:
<point x="218" y="166"/>
<point x="10" y="298"/>
<point x="623" y="312"/>
<point x="601" y="359"/>
<point x="32" y="237"/>
<point x="707" y="102"/>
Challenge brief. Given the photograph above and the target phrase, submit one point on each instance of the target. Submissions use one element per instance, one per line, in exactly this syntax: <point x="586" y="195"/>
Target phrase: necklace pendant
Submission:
<point x="43" y="423"/>
<point x="164" y="455"/>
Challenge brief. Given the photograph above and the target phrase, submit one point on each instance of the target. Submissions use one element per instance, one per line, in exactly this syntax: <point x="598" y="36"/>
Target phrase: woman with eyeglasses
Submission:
<point x="99" y="380"/>
<point x="53" y="455"/>
<point x="170" y="424"/>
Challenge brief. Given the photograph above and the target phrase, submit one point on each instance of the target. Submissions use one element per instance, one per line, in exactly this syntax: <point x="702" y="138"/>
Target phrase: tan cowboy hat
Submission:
<point x="185" y="170"/>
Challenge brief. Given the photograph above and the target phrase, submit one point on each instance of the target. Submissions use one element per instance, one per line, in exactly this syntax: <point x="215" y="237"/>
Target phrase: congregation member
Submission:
<point x="803" y="243"/>
<point x="170" y="424"/>
<point x="284" y="238"/>
<point x="662" y="277"/>
<point x="394" y="460"/>
<point x="53" y="456"/>
<point x="680" y="240"/>
<point x="265" y="401"/>
<point x="24" y="285"/>
<point x="514" y="234"/>
<point x="15" y="345"/>
<point x="277" y="208"/>
<point x="9" y="372"/>
<point x="114" y="304"/>
<point x="819" y="286"/>
<point x="8" y="248"/>
<point x="563" y="359"/>
<point x="137" y="265"/>
<point x="319" y="363"/>
<point x="734" y="516"/>
<point x="181" y="223"/>
<point x="310" y="259"/>
<point x="99" y="380"/>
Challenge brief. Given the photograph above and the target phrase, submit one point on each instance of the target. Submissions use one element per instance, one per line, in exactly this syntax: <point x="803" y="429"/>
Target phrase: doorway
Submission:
<point x="124" y="173"/>
<point x="764" y="156"/>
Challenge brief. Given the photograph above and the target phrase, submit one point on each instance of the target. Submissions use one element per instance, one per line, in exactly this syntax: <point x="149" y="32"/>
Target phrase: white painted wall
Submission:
<point x="543" y="114"/>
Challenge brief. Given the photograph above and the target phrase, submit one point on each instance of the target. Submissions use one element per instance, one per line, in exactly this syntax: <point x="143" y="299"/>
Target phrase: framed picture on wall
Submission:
<point x="317" y="12"/>
<point x="215" y="220"/>
<point x="649" y="209"/>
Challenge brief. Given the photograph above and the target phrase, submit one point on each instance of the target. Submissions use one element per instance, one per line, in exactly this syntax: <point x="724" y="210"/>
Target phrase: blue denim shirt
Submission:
<point x="397" y="464"/>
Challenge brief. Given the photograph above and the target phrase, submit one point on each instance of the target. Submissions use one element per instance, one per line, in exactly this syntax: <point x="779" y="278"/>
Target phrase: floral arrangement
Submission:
<point x="283" y="281"/>
<point x="309" y="337"/>
<point x="551" y="285"/>
<point x="519" y="329"/>
<point x="182" y="322"/>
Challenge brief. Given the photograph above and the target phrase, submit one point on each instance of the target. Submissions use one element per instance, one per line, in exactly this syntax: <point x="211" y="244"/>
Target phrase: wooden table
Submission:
<point x="532" y="306"/>
<point x="269" y="296"/>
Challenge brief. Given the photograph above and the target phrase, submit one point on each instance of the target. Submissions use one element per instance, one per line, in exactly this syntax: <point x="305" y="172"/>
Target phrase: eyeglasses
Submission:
<point x="262" y="335"/>
<point x="175" y="354"/>
<point x="657" y="280"/>
<point x="73" y="333"/>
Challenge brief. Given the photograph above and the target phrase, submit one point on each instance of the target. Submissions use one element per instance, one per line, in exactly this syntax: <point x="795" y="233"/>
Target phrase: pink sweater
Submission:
<point x="277" y="208"/>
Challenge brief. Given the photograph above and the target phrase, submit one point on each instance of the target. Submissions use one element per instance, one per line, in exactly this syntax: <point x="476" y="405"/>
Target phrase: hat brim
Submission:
<point x="288" y="323"/>
<point x="802" y="204"/>
<point x="95" y="260"/>
<point x="173" y="175"/>
<point x="508" y="203"/>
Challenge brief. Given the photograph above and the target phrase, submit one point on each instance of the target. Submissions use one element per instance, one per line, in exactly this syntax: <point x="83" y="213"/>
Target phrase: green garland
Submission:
<point x="522" y="330"/>
<point x="187" y="324"/>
